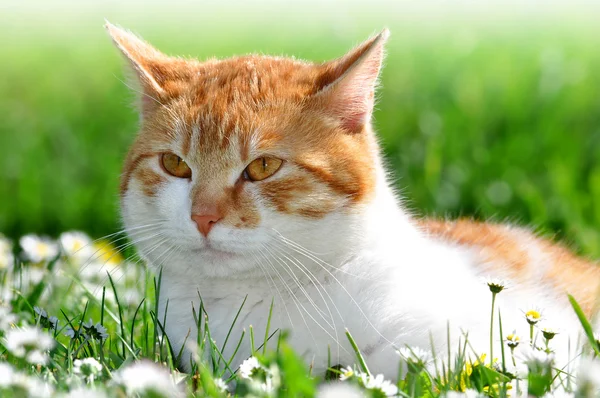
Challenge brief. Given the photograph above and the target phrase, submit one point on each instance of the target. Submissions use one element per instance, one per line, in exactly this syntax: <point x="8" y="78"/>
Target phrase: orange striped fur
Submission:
<point x="516" y="252"/>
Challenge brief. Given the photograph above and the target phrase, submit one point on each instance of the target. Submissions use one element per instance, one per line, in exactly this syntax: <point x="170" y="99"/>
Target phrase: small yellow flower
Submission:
<point x="533" y="316"/>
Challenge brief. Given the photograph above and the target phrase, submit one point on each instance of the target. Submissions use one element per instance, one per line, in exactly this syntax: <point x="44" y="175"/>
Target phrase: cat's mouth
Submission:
<point x="211" y="250"/>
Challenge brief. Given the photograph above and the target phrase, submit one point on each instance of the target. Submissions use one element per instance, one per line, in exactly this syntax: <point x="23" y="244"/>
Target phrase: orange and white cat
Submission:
<point x="261" y="177"/>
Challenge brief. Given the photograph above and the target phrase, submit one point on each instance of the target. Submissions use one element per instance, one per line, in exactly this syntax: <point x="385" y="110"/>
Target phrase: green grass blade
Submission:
<point x="587" y="327"/>
<point x="359" y="357"/>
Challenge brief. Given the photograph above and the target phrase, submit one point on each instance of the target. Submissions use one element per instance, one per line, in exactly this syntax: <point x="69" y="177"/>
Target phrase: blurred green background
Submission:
<point x="486" y="111"/>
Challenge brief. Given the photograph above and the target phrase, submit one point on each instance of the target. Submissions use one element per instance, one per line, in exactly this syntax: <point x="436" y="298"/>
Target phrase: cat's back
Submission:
<point x="518" y="255"/>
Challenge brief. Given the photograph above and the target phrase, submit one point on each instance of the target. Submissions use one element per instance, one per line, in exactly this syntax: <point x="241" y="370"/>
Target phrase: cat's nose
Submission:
<point x="205" y="222"/>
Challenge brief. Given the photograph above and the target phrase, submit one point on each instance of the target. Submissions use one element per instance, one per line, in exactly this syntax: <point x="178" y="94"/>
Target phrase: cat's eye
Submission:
<point x="262" y="168"/>
<point x="175" y="166"/>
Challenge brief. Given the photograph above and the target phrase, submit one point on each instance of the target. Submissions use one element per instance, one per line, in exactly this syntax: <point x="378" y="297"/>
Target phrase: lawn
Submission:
<point x="492" y="118"/>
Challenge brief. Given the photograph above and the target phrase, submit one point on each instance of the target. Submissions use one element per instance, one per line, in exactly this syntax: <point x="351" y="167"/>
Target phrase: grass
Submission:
<point x="66" y="327"/>
<point x="477" y="121"/>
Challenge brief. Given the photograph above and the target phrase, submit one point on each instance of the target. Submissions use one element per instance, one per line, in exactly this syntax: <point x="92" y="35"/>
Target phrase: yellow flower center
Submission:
<point x="108" y="254"/>
<point x="42" y="249"/>
<point x="533" y="314"/>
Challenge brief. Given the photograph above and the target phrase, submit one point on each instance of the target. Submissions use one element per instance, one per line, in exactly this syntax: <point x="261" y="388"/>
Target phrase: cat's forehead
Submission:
<point x="239" y="104"/>
<point x="261" y="78"/>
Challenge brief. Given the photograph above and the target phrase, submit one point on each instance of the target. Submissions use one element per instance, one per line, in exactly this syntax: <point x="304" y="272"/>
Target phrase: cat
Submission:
<point x="260" y="179"/>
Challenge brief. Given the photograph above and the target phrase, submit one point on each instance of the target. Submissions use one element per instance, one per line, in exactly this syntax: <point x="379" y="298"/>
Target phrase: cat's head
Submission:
<point x="242" y="159"/>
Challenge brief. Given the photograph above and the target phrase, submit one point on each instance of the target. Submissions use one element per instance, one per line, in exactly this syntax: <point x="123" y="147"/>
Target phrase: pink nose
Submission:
<point x="205" y="222"/>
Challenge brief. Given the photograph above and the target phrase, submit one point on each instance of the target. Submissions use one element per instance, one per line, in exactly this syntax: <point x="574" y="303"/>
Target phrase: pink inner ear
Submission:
<point x="352" y="101"/>
<point x="350" y="97"/>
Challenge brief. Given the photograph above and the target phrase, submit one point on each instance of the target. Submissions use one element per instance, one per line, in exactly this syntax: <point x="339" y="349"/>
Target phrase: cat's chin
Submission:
<point x="212" y="253"/>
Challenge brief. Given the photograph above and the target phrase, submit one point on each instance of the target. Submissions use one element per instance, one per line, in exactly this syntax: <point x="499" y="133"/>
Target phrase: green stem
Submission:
<point x="492" y="330"/>
<point x="531" y="334"/>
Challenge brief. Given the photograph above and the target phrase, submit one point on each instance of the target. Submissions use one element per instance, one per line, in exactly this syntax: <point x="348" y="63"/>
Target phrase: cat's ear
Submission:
<point x="146" y="62"/>
<point x="347" y="87"/>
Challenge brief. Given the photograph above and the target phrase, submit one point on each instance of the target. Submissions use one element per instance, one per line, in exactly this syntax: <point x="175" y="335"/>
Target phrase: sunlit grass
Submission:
<point x="63" y="330"/>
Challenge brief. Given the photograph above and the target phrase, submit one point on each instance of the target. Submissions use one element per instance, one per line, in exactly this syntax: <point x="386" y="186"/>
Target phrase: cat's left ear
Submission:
<point x="347" y="86"/>
<point x="150" y="65"/>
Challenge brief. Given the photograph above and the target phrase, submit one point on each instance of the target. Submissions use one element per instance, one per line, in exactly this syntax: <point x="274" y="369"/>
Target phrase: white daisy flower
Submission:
<point x="6" y="255"/>
<point x="588" y="378"/>
<point x="97" y="331"/>
<point x="512" y="340"/>
<point x="89" y="331"/>
<point x="145" y="376"/>
<point x="416" y="356"/>
<point x="536" y="359"/>
<point x="220" y="384"/>
<point x="496" y="285"/>
<point x="469" y="393"/>
<point x="30" y="343"/>
<point x="533" y="316"/>
<point x="339" y="390"/>
<point x="248" y="367"/>
<point x="7" y="374"/>
<point x="37" y="249"/>
<point x="44" y="320"/>
<point x="379" y="384"/>
<point x="22" y="385"/>
<point x="549" y="333"/>
<point x="89" y="368"/>
<point x="7" y="318"/>
<point x="346" y="373"/>
<point x="82" y="392"/>
<point x="77" y="245"/>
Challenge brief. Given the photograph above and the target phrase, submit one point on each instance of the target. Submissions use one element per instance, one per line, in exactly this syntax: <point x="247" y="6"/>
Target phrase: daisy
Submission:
<point x="30" y="343"/>
<point x="30" y="386"/>
<point x="379" y="384"/>
<point x="533" y="316"/>
<point x="6" y="255"/>
<point x="76" y="245"/>
<point x="7" y="318"/>
<point x="37" y="249"/>
<point x="7" y="374"/>
<point x="346" y="373"/>
<point x="147" y="378"/>
<point x="220" y="384"/>
<point x="496" y="285"/>
<point x="588" y="378"/>
<point x="469" y="393"/>
<point x="536" y="359"/>
<point x="512" y="340"/>
<point x="82" y="392"/>
<point x="44" y="320"/>
<point x="415" y="356"/>
<point x="549" y="333"/>
<point x="248" y="368"/>
<point x="89" y="368"/>
<point x="97" y="331"/>
<point x="338" y="390"/>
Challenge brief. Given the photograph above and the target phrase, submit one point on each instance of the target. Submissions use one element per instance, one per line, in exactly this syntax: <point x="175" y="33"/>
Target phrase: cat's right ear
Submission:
<point x="145" y="61"/>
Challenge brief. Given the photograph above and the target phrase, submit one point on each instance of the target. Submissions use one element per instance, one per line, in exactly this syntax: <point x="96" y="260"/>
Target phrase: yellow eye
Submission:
<point x="175" y="166"/>
<point x="262" y="168"/>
